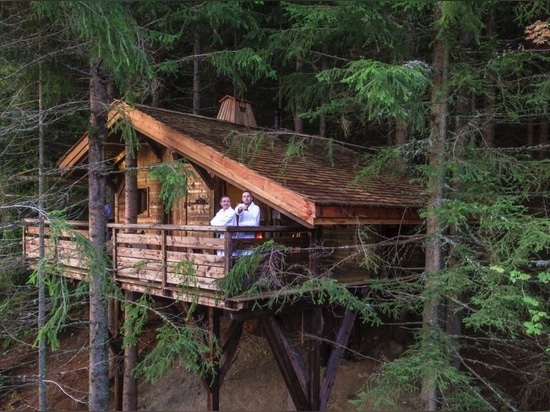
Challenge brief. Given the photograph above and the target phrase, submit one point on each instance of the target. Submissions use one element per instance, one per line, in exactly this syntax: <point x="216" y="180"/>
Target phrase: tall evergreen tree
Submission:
<point x="111" y="37"/>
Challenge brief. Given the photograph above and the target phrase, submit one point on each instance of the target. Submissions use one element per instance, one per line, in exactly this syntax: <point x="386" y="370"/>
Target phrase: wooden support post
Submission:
<point x="336" y="357"/>
<point x="313" y="330"/>
<point x="228" y="251"/>
<point x="229" y="347"/>
<point x="164" y="260"/>
<point x="129" y="394"/>
<point x="289" y="360"/>
<point x="213" y="382"/>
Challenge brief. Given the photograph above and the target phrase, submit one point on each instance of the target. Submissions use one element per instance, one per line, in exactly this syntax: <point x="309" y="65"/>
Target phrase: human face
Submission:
<point x="225" y="202"/>
<point x="247" y="198"/>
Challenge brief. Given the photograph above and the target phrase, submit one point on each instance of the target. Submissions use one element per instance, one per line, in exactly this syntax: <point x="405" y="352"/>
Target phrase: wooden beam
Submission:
<point x="229" y="347"/>
<point x="330" y="214"/>
<point x="363" y="221"/>
<point x="206" y="176"/>
<point x="335" y="357"/>
<point x="313" y="331"/>
<point x="232" y="171"/>
<point x="75" y="154"/>
<point x="289" y="360"/>
<point x="212" y="381"/>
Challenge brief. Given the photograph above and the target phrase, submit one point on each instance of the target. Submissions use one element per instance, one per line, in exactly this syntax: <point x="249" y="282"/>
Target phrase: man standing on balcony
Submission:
<point x="225" y="217"/>
<point x="248" y="214"/>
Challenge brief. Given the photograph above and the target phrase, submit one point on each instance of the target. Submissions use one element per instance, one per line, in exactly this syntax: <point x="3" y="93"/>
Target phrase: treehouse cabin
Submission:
<point x="310" y="202"/>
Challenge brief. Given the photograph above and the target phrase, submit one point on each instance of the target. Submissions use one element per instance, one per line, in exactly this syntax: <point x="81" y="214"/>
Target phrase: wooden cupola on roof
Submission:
<point x="236" y="111"/>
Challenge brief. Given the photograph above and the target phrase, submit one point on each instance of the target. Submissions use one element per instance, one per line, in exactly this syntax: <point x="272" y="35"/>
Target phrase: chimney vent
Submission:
<point x="236" y="111"/>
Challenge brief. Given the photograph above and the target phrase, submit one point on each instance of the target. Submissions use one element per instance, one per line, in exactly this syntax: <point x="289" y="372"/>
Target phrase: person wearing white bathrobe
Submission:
<point x="225" y="217"/>
<point x="248" y="214"/>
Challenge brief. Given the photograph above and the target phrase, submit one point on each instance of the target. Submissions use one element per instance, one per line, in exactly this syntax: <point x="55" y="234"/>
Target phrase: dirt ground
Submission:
<point x="253" y="382"/>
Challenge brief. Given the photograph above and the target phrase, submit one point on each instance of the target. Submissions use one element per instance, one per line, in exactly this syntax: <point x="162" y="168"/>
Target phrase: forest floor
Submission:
<point x="252" y="383"/>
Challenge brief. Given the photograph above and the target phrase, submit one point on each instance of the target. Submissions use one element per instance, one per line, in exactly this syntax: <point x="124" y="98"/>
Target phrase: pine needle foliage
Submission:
<point x="247" y="146"/>
<point x="234" y="64"/>
<point x="265" y="273"/>
<point x="136" y="316"/>
<point x="385" y="91"/>
<point x="177" y="344"/>
<point x="108" y="30"/>
<point x="174" y="177"/>
<point x="128" y="133"/>
<point x="62" y="295"/>
<point x="245" y="277"/>
<point x="177" y="341"/>
<point x="186" y="271"/>
<point x="404" y="376"/>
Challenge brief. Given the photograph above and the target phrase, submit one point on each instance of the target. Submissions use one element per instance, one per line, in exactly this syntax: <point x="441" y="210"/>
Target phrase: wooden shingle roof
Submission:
<point x="311" y="186"/>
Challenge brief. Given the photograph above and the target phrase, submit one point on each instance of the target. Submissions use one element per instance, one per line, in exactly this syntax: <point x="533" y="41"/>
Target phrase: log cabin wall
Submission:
<point x="198" y="207"/>
<point x="194" y="209"/>
<point x="150" y="208"/>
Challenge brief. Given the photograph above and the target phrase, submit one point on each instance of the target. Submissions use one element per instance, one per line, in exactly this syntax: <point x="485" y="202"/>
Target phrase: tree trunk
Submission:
<point x="434" y="259"/>
<point x="99" y="350"/>
<point x="530" y="134"/>
<point x="129" y="394"/>
<point x="196" y="73"/>
<point x="42" y="312"/>
<point x="453" y="312"/>
<point x="401" y="132"/>
<point x="543" y="139"/>
<point x="401" y="137"/>
<point x="298" y="121"/>
<point x="489" y="131"/>
<point x="130" y="390"/>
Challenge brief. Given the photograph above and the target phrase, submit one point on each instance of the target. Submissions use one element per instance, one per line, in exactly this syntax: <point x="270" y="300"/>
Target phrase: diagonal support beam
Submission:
<point x="336" y="357"/>
<point x="229" y="347"/>
<point x="289" y="360"/>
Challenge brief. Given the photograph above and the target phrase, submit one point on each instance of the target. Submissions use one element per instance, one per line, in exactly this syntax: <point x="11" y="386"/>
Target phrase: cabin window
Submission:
<point x="143" y="201"/>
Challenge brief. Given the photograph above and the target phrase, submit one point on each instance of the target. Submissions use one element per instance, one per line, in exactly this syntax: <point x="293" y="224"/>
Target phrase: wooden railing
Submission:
<point x="166" y="256"/>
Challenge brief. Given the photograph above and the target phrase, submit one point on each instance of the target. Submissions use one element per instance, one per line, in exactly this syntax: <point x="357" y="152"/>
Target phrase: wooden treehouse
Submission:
<point x="309" y="203"/>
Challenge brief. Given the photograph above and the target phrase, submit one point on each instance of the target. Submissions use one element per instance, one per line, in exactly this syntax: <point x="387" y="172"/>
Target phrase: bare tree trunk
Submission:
<point x="130" y="390"/>
<point x="401" y="132"/>
<point x="131" y="183"/>
<point x="431" y="316"/>
<point x="530" y="134"/>
<point x="42" y="315"/>
<point x="129" y="394"/>
<point x="543" y="138"/>
<point x="298" y="121"/>
<point x="401" y="137"/>
<point x="489" y="131"/>
<point x="196" y="73"/>
<point x="454" y="313"/>
<point x="99" y="324"/>
<point x="323" y="118"/>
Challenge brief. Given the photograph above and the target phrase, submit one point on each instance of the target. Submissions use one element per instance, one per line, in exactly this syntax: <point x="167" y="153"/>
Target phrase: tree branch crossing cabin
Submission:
<point x="310" y="203"/>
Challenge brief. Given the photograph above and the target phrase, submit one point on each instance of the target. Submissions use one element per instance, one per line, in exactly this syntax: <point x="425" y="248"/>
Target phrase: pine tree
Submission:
<point x="105" y="27"/>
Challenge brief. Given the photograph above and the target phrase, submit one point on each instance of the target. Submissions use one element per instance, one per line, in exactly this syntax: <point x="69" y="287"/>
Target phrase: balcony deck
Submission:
<point x="173" y="261"/>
